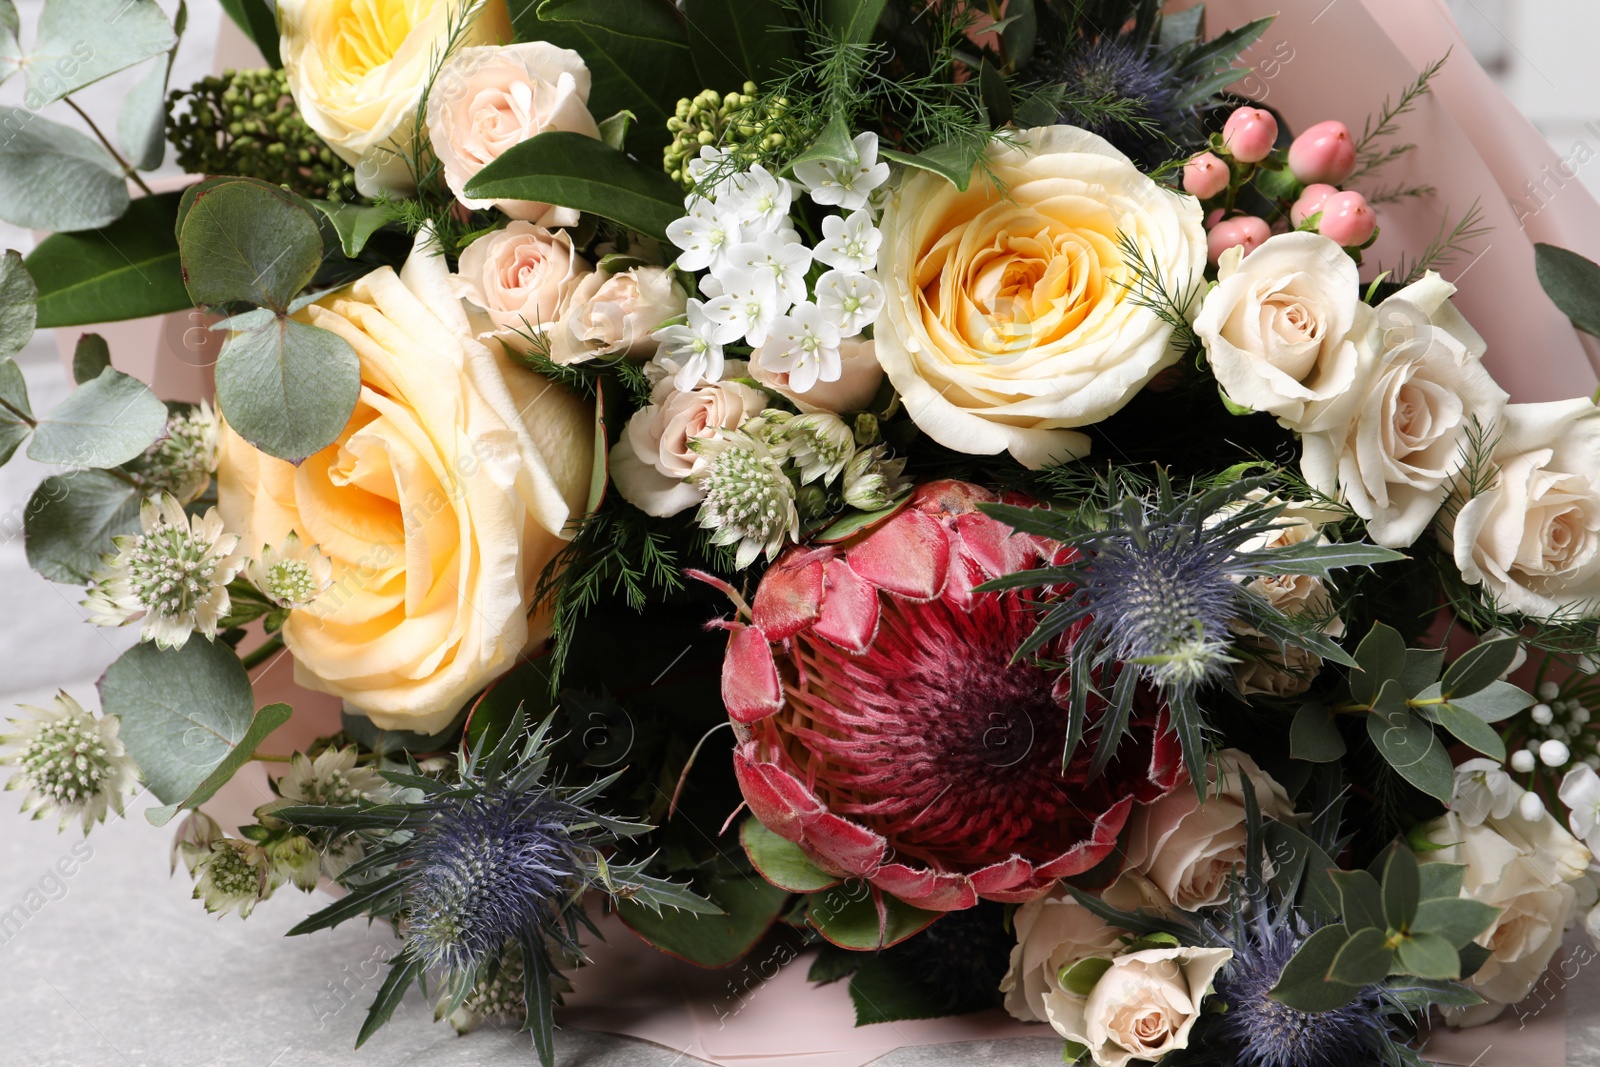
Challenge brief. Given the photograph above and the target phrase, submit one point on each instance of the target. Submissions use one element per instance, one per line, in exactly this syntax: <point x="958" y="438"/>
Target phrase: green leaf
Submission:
<point x="1304" y="985"/>
<point x="833" y="145"/>
<point x="1480" y="666"/>
<point x="1364" y="960"/>
<point x="856" y="916"/>
<point x="81" y="41"/>
<point x="883" y="992"/>
<point x="247" y="240"/>
<point x="1500" y="700"/>
<point x="781" y="862"/>
<point x="1291" y="849"/>
<point x="185" y="713"/>
<point x="355" y="223"/>
<point x="1421" y="670"/>
<point x="951" y="162"/>
<point x="614" y="132"/>
<point x="1321" y="560"/>
<point x="1021" y="32"/>
<point x="1080" y="978"/>
<point x="1469" y="729"/>
<point x="1441" y="881"/>
<point x="71" y="519"/>
<point x="1314" y="736"/>
<point x="15" y="415"/>
<point x="1572" y="282"/>
<point x="734" y="41"/>
<point x="90" y="358"/>
<point x="288" y="388"/>
<point x="1410" y="746"/>
<point x="851" y="21"/>
<point x="1380" y="656"/>
<point x="853" y="522"/>
<point x="259" y="24"/>
<point x="750" y="906"/>
<point x="1360" y="899"/>
<point x="127" y="270"/>
<point x="1428" y="956"/>
<point x="103" y="423"/>
<point x="141" y="123"/>
<point x="54" y="178"/>
<point x="996" y="95"/>
<point x="571" y="170"/>
<point x="404" y="970"/>
<point x="1402" y="888"/>
<point x="1456" y="919"/>
<point x="1473" y="957"/>
<point x="19" y="301"/>
<point x="265" y="721"/>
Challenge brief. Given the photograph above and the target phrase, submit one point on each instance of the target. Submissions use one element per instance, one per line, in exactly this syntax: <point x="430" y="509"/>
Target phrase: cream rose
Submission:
<point x="615" y="314"/>
<point x="650" y="465"/>
<point x="1532" y="539"/>
<point x="1008" y="318"/>
<point x="859" y="378"/>
<point x="1143" y="1007"/>
<point x="1528" y="870"/>
<point x="439" y="505"/>
<point x="357" y="69"/>
<point x="487" y="99"/>
<point x="1279" y="328"/>
<point x="521" y="281"/>
<point x="1409" y="418"/>
<point x="1191" y="850"/>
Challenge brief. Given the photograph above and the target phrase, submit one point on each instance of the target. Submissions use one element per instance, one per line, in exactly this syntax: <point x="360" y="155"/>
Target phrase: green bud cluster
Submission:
<point x="245" y="122"/>
<point x="750" y="129"/>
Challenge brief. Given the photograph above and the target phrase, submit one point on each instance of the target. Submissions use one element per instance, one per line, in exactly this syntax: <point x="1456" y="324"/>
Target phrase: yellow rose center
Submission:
<point x="365" y="34"/>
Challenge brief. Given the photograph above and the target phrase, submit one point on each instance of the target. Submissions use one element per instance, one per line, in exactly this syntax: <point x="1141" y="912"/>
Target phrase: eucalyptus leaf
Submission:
<point x="1363" y="960"/>
<point x="16" y="417"/>
<point x="1572" y="282"/>
<point x="10" y="46"/>
<point x="1021" y="32"/>
<point x="1381" y="656"/>
<point x="1402" y="888"/>
<point x="54" y="178"/>
<point x="1303" y="983"/>
<point x="71" y="519"/>
<point x="81" y="41"/>
<point x="1428" y="956"/>
<point x="1360" y="899"/>
<point x="1438" y="880"/>
<point x="1314" y="736"/>
<point x="263" y="723"/>
<point x="1410" y="746"/>
<point x="1456" y="919"/>
<point x="141" y="124"/>
<point x="103" y="423"/>
<point x="90" y="358"/>
<point x="19" y="305"/>
<point x="1470" y="730"/>
<point x="288" y="388"/>
<point x="1496" y="701"/>
<point x="127" y="270"/>
<point x="247" y="240"/>
<point x="1480" y="666"/>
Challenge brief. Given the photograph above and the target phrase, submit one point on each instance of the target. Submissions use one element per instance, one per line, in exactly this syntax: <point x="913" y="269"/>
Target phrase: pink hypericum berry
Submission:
<point x="1310" y="202"/>
<point x="1214" y="216"/>
<point x="1245" y="230"/>
<point x="1347" y="219"/>
<point x="1205" y="175"/>
<point x="1323" y="153"/>
<point x="1250" y="134"/>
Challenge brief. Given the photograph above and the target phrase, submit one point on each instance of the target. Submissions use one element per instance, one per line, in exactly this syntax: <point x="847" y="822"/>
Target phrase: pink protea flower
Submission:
<point x="884" y="728"/>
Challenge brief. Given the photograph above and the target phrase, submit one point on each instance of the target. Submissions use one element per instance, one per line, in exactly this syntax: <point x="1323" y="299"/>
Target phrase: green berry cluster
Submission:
<point x="750" y="129"/>
<point x="245" y="122"/>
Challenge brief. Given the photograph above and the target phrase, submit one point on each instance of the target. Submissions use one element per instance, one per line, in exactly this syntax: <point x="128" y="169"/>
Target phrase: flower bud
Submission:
<point x="1241" y="230"/>
<point x="1324" y="153"/>
<point x="1347" y="219"/>
<point x="1205" y="175"/>
<point x="872" y="480"/>
<point x="1249" y="134"/>
<point x="1310" y="202"/>
<point x="296" y="859"/>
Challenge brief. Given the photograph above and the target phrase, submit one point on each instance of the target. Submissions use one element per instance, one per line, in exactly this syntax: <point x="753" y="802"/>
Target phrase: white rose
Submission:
<point x="1007" y="320"/>
<point x="860" y="375"/>
<point x="521" y="280"/>
<point x="1143" y="1007"/>
<point x="486" y="100"/>
<point x="357" y="73"/>
<point x="1533" y="539"/>
<point x="615" y="314"/>
<point x="1528" y="870"/>
<point x="651" y="463"/>
<point x="1191" y="850"/>
<point x="1281" y="325"/>
<point x="1404" y="427"/>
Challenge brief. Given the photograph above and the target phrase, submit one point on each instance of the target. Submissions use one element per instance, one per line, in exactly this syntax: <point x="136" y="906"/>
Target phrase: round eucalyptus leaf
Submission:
<point x="54" y="178"/>
<point x="246" y="240"/>
<point x="288" y="388"/>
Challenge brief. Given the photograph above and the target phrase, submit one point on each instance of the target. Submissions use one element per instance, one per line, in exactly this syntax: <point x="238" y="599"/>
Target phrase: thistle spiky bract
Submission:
<point x="493" y="863"/>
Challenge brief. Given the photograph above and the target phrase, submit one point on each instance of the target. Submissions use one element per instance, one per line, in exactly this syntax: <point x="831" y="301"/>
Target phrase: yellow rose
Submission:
<point x="357" y="69"/>
<point x="1008" y="319"/>
<point x="450" y="489"/>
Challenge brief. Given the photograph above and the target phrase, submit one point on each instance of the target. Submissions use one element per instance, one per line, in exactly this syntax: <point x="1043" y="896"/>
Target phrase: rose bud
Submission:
<point x="1310" y="202"/>
<point x="1250" y="134"/>
<point x="1347" y="219"/>
<point x="1205" y="175"/>
<point x="1323" y="153"/>
<point x="1241" y="230"/>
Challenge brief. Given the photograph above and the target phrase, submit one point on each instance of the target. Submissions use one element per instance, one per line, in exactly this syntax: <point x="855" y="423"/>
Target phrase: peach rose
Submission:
<point x="859" y="378"/>
<point x="450" y="489"/>
<point x="522" y="280"/>
<point x="487" y="99"/>
<point x="1143" y="1007"/>
<point x="615" y="314"/>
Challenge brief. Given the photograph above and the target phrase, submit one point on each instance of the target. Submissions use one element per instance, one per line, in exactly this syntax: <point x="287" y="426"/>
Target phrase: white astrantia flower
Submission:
<point x="1483" y="790"/>
<point x="1580" y="792"/>
<point x="71" y="763"/>
<point x="849" y="300"/>
<point x="332" y="778"/>
<point x="750" y="501"/>
<point x="847" y="187"/>
<point x="291" y="574"/>
<point x="818" y="445"/>
<point x="691" y="350"/>
<point x="758" y="201"/>
<point x="805" y="345"/>
<point x="235" y="874"/>
<point x="183" y="460"/>
<point x="174" y="575"/>
<point x="850" y="244"/>
<point x="779" y="256"/>
<point x="705" y="234"/>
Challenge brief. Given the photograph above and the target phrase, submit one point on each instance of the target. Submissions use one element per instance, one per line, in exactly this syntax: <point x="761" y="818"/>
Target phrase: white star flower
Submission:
<point x="1483" y="790"/>
<point x="779" y="256"/>
<point x="691" y="350"/>
<point x="850" y="300"/>
<point x="705" y="234"/>
<point x="838" y="184"/>
<point x="850" y="244"/>
<point x="1580" y="792"/>
<point x="805" y="345"/>
<point x="758" y="201"/>
<point x="745" y="307"/>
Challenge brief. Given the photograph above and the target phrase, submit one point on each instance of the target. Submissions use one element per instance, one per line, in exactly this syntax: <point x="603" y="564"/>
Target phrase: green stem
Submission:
<point x="127" y="168"/>
<point x="259" y="758"/>
<point x="19" y="414"/>
<point x="260" y="655"/>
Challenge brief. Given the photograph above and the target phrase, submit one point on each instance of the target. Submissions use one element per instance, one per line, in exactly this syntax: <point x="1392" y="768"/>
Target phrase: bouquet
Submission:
<point x="946" y="483"/>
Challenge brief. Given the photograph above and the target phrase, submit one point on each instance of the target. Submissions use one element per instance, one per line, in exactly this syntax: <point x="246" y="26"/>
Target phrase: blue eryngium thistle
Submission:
<point x="1153" y="585"/>
<point x="494" y="863"/>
